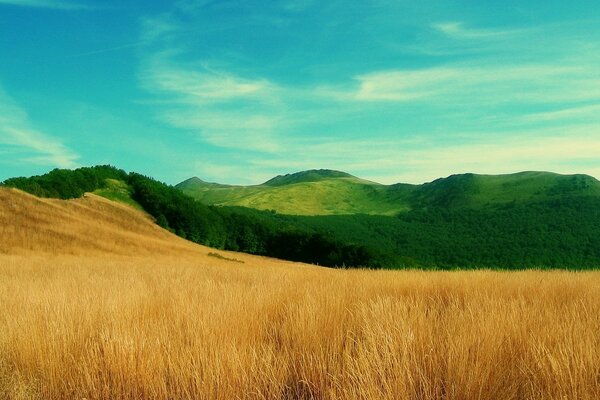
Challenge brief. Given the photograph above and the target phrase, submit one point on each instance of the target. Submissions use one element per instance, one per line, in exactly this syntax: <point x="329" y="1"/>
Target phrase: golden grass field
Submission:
<point x="98" y="303"/>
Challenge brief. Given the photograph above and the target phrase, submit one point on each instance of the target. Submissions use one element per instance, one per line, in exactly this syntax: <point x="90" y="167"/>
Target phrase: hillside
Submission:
<point x="315" y="192"/>
<point x="92" y="227"/>
<point x="87" y="225"/>
<point x="182" y="215"/>
<point x="525" y="220"/>
<point x="325" y="192"/>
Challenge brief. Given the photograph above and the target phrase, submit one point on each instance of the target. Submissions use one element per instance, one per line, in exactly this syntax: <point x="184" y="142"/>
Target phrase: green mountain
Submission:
<point x="326" y="192"/>
<point x="316" y="192"/>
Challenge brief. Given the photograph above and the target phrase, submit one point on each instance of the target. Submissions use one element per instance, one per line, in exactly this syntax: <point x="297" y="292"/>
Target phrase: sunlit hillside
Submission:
<point x="326" y="192"/>
<point x="90" y="225"/>
<point x="99" y="303"/>
<point x="320" y="192"/>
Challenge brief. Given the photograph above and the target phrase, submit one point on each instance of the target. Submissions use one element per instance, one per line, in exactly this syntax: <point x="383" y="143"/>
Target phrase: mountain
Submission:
<point x="314" y="192"/>
<point x="327" y="192"/>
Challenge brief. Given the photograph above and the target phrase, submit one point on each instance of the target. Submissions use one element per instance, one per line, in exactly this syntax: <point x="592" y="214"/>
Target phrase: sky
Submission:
<point x="240" y="91"/>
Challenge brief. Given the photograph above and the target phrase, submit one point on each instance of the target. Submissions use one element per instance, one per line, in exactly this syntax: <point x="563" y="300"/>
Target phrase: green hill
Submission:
<point x="315" y="192"/>
<point x="326" y="192"/>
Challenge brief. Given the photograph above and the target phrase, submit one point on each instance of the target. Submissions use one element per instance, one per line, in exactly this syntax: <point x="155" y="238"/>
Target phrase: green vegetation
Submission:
<point x="324" y="192"/>
<point x="119" y="191"/>
<point x="68" y="184"/>
<point x="222" y="257"/>
<point x="320" y="192"/>
<point x="525" y="220"/>
<point x="561" y="233"/>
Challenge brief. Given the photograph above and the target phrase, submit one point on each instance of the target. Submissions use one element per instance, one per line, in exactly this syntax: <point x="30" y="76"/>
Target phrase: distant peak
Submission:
<point x="195" y="182"/>
<point x="194" y="179"/>
<point x="312" y="175"/>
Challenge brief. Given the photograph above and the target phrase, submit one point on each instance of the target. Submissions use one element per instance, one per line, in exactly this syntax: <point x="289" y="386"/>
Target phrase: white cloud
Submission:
<point x="403" y="85"/>
<point x="24" y="143"/>
<point x="204" y="85"/>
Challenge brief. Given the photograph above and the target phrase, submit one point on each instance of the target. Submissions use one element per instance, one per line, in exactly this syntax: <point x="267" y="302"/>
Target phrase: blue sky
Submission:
<point x="240" y="91"/>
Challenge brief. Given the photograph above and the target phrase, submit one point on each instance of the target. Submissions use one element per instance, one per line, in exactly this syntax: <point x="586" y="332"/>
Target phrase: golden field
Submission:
<point x="99" y="303"/>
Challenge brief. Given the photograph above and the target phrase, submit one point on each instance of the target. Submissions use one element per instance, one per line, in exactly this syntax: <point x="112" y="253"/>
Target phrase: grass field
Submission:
<point x="99" y="303"/>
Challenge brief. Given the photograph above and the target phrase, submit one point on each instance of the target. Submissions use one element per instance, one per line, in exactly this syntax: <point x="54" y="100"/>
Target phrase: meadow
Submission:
<point x="99" y="303"/>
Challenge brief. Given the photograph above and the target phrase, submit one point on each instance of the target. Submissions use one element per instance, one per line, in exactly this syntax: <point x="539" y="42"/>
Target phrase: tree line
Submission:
<point x="192" y="220"/>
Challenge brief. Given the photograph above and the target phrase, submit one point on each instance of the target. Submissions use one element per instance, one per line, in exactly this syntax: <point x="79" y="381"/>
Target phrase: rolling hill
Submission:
<point x="327" y="192"/>
<point x="316" y="192"/>
<point x="89" y="225"/>
<point x="187" y="218"/>
<point x="524" y="220"/>
<point x="93" y="228"/>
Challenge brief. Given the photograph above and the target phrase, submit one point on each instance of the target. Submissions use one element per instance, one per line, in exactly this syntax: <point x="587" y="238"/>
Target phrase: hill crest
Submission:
<point x="331" y="192"/>
<point x="312" y="175"/>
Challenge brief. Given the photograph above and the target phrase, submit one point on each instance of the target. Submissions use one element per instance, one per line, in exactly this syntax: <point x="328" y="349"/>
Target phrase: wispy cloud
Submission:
<point x="223" y="109"/>
<point x="52" y="4"/>
<point x="458" y="30"/>
<point x="25" y="143"/>
<point x="107" y="50"/>
<point x="586" y="111"/>
<point x="205" y="84"/>
<point x="536" y="83"/>
<point x="487" y="112"/>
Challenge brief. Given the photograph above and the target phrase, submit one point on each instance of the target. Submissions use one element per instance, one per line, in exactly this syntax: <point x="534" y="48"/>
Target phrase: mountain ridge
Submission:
<point x="331" y="192"/>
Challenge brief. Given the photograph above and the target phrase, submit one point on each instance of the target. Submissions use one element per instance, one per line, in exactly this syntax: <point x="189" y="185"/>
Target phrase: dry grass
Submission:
<point x="148" y="316"/>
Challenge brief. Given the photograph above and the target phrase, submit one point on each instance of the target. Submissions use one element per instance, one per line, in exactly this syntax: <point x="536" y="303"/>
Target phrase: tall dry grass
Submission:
<point x="177" y="324"/>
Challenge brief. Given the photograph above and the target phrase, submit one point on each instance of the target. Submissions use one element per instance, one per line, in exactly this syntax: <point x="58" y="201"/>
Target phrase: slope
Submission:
<point x="456" y="222"/>
<point x="315" y="192"/>
<point x="182" y="215"/>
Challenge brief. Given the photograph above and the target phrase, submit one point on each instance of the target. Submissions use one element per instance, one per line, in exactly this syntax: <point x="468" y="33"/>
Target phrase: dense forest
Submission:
<point x="555" y="234"/>
<point x="560" y="232"/>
